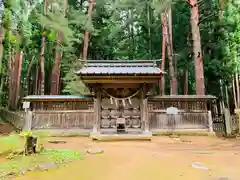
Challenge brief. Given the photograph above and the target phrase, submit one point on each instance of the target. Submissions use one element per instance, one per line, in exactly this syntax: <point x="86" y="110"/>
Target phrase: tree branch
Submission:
<point x="210" y="15"/>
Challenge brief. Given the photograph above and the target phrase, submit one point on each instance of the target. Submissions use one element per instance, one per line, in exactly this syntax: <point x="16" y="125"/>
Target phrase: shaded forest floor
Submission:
<point x="162" y="158"/>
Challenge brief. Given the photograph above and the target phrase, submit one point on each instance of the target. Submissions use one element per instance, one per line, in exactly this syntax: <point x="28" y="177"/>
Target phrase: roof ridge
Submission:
<point x="121" y="61"/>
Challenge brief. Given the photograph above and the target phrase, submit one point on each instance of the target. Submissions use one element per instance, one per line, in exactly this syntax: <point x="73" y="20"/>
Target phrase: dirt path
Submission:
<point x="163" y="158"/>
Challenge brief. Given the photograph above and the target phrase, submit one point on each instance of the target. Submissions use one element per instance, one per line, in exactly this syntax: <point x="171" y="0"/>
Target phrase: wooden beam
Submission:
<point x="102" y="81"/>
<point x="125" y="85"/>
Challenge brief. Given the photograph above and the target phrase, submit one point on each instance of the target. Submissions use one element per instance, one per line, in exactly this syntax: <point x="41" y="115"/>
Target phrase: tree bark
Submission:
<point x="10" y="78"/>
<point x="234" y="93"/>
<point x="237" y="86"/>
<point x="86" y="36"/>
<point x="164" y="33"/>
<point x="28" y="75"/>
<point x="41" y="59"/>
<point x="19" y="56"/>
<point x="173" y="81"/>
<point x="2" y="35"/>
<point x="149" y="10"/>
<point x="221" y="6"/>
<point x="186" y="83"/>
<point x="81" y="52"/>
<point x="36" y="87"/>
<point x="56" y="69"/>
<point x="199" y="72"/>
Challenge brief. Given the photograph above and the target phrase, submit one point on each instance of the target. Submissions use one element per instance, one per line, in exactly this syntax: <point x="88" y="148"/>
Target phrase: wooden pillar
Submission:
<point x="27" y="126"/>
<point x="145" y="115"/>
<point x="144" y="112"/>
<point x="228" y="121"/>
<point x="210" y="122"/>
<point x="97" y="113"/>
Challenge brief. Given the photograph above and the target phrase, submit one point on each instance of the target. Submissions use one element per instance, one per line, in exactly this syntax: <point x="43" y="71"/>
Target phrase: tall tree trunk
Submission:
<point x="28" y="75"/>
<point x="55" y="77"/>
<point x="18" y="69"/>
<point x="186" y="83"/>
<point x="2" y="34"/>
<point x="56" y="69"/>
<point x="131" y="50"/>
<point x="234" y="93"/>
<point x="81" y="52"/>
<point x="175" y="87"/>
<point x="149" y="10"/>
<point x="36" y="86"/>
<point x="86" y="36"/>
<point x="164" y="33"/>
<point x="41" y="59"/>
<point x="199" y="72"/>
<point x="173" y="81"/>
<point x="10" y="78"/>
<point x="238" y="93"/>
<point x="221" y="6"/>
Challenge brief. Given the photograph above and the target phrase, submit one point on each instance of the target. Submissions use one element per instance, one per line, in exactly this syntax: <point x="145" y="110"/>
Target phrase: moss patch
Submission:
<point x="183" y="133"/>
<point x="10" y="143"/>
<point x="52" y="133"/>
<point x="21" y="164"/>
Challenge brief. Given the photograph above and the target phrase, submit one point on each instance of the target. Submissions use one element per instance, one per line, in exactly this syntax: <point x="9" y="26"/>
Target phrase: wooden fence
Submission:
<point x="183" y="120"/>
<point x="17" y="119"/>
<point x="63" y="119"/>
<point x="193" y="115"/>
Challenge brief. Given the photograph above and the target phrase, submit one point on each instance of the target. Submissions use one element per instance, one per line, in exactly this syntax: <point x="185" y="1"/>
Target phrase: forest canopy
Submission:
<point x="41" y="42"/>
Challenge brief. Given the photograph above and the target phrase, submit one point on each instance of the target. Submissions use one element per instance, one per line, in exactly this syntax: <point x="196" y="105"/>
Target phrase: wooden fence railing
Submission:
<point x="183" y="120"/>
<point x="63" y="119"/>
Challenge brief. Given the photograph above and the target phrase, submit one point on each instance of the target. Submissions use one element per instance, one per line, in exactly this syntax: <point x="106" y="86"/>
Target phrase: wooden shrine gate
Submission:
<point x="110" y="113"/>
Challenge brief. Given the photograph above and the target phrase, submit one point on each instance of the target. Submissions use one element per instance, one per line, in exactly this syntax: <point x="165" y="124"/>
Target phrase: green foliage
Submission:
<point x="121" y="29"/>
<point x="74" y="85"/>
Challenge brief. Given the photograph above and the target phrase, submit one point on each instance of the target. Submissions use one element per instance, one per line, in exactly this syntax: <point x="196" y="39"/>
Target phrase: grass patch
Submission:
<point x="22" y="164"/>
<point x="10" y="143"/>
<point x="52" y="133"/>
<point x="183" y="133"/>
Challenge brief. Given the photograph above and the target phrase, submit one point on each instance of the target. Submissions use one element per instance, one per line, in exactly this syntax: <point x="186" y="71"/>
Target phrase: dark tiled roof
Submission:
<point x="120" y="67"/>
<point x="53" y="97"/>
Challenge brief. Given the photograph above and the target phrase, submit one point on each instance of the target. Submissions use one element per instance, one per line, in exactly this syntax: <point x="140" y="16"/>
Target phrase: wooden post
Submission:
<point x="144" y="112"/>
<point x="28" y="121"/>
<point x="96" y="123"/>
<point x="145" y="115"/>
<point x="210" y="122"/>
<point x="228" y="121"/>
<point x="141" y="111"/>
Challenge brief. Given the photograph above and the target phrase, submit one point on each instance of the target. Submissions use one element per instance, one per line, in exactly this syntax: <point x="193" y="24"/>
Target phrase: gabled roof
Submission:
<point x="120" y="67"/>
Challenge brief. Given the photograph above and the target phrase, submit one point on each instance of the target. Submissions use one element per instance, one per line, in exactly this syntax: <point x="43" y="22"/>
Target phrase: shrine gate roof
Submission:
<point x="120" y="67"/>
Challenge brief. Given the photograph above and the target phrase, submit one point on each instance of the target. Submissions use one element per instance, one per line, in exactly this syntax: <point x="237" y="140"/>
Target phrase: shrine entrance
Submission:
<point x="120" y="91"/>
<point x="121" y="103"/>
